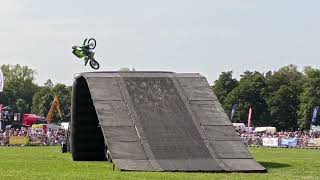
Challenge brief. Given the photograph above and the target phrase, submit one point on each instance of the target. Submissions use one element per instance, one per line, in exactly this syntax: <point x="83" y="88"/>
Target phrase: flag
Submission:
<point x="1" y="81"/>
<point x="249" y="117"/>
<point x="314" y="116"/>
<point x="1" y="106"/>
<point x="234" y="108"/>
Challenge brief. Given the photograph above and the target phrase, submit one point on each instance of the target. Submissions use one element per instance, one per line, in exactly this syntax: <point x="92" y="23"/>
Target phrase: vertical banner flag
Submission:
<point x="234" y="108"/>
<point x="1" y="81"/>
<point x="314" y="116"/>
<point x="249" y="117"/>
<point x="1" y="106"/>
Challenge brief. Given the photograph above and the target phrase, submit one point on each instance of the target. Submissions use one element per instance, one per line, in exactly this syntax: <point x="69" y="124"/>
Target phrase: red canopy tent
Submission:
<point x="29" y="119"/>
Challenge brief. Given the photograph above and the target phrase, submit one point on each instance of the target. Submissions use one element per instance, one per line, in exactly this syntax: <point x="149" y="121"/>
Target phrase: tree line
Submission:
<point x="284" y="98"/>
<point x="23" y="95"/>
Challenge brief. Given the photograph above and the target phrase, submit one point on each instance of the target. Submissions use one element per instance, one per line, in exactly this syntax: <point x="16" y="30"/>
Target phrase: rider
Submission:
<point x="84" y="51"/>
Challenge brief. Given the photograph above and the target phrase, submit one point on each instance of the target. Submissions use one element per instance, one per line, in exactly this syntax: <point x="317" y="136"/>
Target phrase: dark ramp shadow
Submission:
<point x="273" y="165"/>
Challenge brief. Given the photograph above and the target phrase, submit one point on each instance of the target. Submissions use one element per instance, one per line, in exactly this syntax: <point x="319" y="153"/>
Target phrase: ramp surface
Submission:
<point x="154" y="121"/>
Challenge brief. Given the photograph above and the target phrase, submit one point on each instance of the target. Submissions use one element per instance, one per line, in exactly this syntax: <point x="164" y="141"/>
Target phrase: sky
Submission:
<point x="197" y="36"/>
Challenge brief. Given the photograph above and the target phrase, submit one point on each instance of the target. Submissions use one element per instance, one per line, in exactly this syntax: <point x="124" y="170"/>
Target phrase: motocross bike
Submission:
<point x="86" y="51"/>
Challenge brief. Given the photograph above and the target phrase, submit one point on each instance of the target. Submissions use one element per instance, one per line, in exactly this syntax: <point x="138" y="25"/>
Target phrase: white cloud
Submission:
<point x="9" y="8"/>
<point x="234" y="3"/>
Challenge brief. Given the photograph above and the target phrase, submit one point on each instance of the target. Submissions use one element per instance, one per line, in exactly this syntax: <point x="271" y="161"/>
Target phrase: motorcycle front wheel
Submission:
<point x="92" y="43"/>
<point x="94" y="64"/>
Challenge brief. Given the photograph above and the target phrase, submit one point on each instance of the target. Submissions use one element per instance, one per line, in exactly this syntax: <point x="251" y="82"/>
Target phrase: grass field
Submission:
<point x="49" y="163"/>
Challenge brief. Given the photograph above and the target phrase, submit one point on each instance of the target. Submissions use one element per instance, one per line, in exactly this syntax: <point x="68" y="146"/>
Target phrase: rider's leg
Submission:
<point x="86" y="59"/>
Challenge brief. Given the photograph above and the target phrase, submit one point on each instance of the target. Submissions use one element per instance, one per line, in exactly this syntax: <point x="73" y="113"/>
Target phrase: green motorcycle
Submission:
<point x="86" y="51"/>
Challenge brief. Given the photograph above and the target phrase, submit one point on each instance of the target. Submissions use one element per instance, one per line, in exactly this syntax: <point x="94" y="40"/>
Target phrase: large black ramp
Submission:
<point x="154" y="121"/>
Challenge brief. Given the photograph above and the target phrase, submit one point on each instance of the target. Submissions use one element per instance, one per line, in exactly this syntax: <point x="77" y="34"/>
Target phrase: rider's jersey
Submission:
<point x="78" y="52"/>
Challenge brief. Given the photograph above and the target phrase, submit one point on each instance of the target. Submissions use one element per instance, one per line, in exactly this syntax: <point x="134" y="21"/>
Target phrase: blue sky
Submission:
<point x="204" y="36"/>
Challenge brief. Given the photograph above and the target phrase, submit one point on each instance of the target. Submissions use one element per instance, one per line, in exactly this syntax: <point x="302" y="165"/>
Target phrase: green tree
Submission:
<point x="43" y="99"/>
<point x="249" y="93"/>
<point x="283" y="106"/>
<point x="63" y="93"/>
<point x="18" y="84"/>
<point x="310" y="97"/>
<point x="224" y="85"/>
<point x="282" y="96"/>
<point x="21" y="106"/>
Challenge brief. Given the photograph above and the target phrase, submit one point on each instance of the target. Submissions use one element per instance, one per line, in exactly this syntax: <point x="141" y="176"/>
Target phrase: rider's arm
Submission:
<point x="85" y="42"/>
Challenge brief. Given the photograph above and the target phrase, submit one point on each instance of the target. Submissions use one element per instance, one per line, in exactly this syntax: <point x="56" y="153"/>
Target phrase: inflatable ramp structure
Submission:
<point x="154" y="121"/>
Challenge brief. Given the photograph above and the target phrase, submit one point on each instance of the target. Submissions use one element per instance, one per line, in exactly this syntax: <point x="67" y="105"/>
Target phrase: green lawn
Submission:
<point x="49" y="163"/>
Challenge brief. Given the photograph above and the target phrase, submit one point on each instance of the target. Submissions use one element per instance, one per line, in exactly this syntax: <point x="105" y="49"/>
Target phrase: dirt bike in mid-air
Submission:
<point x="86" y="51"/>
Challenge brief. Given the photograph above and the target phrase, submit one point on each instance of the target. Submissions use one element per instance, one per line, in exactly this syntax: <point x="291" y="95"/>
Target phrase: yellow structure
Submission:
<point x="55" y="105"/>
<point x="18" y="140"/>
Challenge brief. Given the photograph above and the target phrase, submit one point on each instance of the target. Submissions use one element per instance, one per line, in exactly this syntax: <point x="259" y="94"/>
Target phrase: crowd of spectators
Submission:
<point x="46" y="138"/>
<point x="6" y="113"/>
<point x="256" y="138"/>
<point x="56" y="137"/>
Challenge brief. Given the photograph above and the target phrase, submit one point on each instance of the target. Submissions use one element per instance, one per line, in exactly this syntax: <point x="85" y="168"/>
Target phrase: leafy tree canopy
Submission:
<point x="310" y="97"/>
<point x="18" y="85"/>
<point x="224" y="85"/>
<point x="249" y="93"/>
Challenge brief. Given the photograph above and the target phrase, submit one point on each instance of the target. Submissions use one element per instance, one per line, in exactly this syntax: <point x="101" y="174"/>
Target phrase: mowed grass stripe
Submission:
<point x="49" y="163"/>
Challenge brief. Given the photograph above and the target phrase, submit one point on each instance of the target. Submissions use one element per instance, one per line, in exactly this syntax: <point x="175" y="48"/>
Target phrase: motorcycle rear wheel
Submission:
<point x="94" y="64"/>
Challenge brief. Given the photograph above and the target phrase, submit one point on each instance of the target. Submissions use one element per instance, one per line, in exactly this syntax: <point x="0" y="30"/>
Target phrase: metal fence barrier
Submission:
<point x="255" y="141"/>
<point x="304" y="142"/>
<point x="30" y="141"/>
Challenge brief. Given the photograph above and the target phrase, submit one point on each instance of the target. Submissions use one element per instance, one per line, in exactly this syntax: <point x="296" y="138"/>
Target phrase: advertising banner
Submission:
<point x="234" y="108"/>
<point x="314" y="142"/>
<point x="39" y="128"/>
<point x="270" y="142"/>
<point x="314" y="116"/>
<point x="36" y="140"/>
<point x="290" y="142"/>
<point x="249" y="117"/>
<point x="1" y="106"/>
<point x="18" y="140"/>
